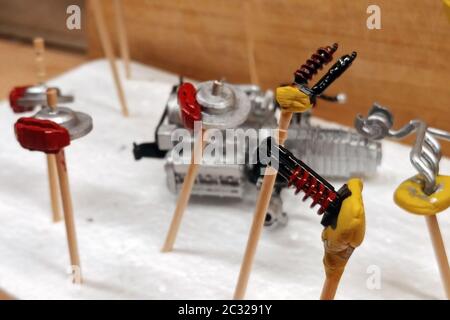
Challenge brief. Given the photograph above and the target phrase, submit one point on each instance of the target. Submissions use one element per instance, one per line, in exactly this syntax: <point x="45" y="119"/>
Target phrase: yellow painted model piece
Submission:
<point x="291" y="99"/>
<point x="410" y="196"/>
<point x="447" y="8"/>
<point x="349" y="232"/>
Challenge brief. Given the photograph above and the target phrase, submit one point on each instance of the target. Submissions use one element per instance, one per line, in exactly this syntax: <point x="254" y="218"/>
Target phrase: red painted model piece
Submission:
<point x="189" y="107"/>
<point x="41" y="135"/>
<point x="14" y="96"/>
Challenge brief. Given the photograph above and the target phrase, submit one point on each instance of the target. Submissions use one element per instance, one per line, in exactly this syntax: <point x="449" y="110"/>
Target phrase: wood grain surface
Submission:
<point x="404" y="65"/>
<point x="25" y="20"/>
<point x="24" y="73"/>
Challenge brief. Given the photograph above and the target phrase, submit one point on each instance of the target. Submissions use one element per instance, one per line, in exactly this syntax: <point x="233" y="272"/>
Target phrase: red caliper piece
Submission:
<point x="189" y="107"/>
<point x="14" y="96"/>
<point x="41" y="135"/>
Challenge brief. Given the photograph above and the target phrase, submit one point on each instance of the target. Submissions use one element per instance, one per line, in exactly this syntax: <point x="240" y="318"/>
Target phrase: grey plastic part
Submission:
<point x="78" y="124"/>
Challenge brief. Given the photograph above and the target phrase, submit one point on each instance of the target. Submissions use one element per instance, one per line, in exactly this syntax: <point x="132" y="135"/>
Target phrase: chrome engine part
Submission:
<point x="260" y="115"/>
<point x="223" y="105"/>
<point x="36" y="96"/>
<point x="216" y="179"/>
<point x="212" y="180"/>
<point x="426" y="152"/>
<point x="334" y="153"/>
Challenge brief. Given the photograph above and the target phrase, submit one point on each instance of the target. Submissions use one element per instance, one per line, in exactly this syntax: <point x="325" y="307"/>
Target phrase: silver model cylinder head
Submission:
<point x="334" y="153"/>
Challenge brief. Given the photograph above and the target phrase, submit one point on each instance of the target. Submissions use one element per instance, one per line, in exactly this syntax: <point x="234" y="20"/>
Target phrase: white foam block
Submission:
<point x="123" y="209"/>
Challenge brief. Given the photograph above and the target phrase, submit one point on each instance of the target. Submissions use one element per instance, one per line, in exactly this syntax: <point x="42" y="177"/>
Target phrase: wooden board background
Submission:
<point x="405" y="65"/>
<point x="24" y="73"/>
<point x="25" y="19"/>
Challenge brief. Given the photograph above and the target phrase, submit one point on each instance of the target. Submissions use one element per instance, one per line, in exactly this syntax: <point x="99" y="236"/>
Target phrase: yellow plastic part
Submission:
<point x="349" y="232"/>
<point x="291" y="99"/>
<point x="410" y="196"/>
<point x="447" y="8"/>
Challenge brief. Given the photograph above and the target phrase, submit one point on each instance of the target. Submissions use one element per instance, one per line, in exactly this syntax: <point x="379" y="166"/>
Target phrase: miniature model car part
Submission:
<point x="49" y="131"/>
<point x="41" y="135"/>
<point x="426" y="152"/>
<point x="315" y="63"/>
<point x="78" y="124"/>
<point x="307" y="70"/>
<point x="335" y="153"/>
<point x="421" y="194"/>
<point x="303" y="178"/>
<point x="190" y="109"/>
<point x="290" y="102"/>
<point x="26" y="98"/>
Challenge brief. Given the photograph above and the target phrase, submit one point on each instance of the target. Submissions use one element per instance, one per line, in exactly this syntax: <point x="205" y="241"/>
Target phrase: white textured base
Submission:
<point x="123" y="210"/>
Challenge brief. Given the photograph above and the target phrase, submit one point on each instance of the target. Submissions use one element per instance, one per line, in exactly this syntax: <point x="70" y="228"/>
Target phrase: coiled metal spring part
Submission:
<point x="303" y="178"/>
<point x="321" y="57"/>
<point x="426" y="152"/>
<point x="312" y="186"/>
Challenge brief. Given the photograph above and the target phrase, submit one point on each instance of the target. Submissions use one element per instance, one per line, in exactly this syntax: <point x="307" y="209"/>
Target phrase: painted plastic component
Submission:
<point x="41" y="135"/>
<point x="350" y="227"/>
<point x="410" y="196"/>
<point x="335" y="71"/>
<point x="318" y="59"/>
<point x="290" y="99"/>
<point x="305" y="73"/>
<point x="340" y="242"/>
<point x="189" y="108"/>
<point x="26" y="98"/>
<point x="303" y="178"/>
<point x="15" y="96"/>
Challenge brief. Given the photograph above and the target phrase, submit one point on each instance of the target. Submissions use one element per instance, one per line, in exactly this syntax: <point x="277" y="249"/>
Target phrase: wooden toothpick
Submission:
<point x="53" y="185"/>
<point x="415" y="196"/>
<point x="66" y="201"/>
<point x="439" y="251"/>
<point x="329" y="288"/>
<point x="108" y="50"/>
<point x="185" y="193"/>
<point x="332" y="278"/>
<point x="262" y="205"/>
<point x="123" y="39"/>
<point x="39" y="49"/>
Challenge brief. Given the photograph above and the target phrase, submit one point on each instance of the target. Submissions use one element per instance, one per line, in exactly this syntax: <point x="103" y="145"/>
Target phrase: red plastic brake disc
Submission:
<point x="41" y="135"/>
<point x="189" y="107"/>
<point x="14" y="96"/>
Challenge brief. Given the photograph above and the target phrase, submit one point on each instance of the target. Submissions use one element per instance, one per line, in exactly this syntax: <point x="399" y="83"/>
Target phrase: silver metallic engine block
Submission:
<point x="215" y="179"/>
<point x="334" y="153"/>
<point x="212" y="180"/>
